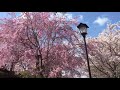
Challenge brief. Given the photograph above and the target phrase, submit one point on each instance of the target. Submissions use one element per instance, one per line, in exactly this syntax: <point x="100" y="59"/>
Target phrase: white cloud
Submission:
<point x="101" y="21"/>
<point x="67" y="16"/>
<point x="81" y="17"/>
<point x="60" y="15"/>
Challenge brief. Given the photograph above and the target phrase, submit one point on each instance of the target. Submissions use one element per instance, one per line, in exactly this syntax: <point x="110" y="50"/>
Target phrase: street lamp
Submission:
<point x="83" y="30"/>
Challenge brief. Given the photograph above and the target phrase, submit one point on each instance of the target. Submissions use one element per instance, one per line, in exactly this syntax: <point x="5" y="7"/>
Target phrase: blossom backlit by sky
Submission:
<point x="95" y="20"/>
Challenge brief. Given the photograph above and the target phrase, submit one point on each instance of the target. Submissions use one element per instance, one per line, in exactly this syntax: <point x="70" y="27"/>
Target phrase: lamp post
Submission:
<point x="83" y="30"/>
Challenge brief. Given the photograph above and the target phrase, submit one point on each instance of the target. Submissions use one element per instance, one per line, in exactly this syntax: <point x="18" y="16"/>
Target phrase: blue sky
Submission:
<point x="95" y="20"/>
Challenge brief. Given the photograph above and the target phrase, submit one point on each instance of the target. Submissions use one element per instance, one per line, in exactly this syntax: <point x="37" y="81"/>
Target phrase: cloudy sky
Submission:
<point x="95" y="20"/>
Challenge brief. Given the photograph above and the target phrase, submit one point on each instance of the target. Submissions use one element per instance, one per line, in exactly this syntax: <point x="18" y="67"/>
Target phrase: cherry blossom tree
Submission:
<point x="104" y="53"/>
<point x="40" y="42"/>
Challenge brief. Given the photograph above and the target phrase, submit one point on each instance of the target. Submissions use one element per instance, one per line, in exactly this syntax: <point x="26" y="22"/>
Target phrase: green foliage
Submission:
<point x="27" y="74"/>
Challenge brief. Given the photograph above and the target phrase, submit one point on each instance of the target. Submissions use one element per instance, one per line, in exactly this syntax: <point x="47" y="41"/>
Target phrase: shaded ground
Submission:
<point x="7" y="74"/>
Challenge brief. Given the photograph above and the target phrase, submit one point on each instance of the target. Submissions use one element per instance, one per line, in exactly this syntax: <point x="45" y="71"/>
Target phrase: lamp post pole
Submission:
<point x="88" y="64"/>
<point x="83" y="30"/>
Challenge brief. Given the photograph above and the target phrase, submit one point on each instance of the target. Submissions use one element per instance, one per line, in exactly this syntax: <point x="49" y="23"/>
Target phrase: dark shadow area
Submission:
<point x="4" y="73"/>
